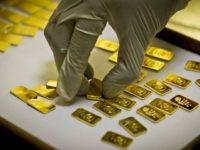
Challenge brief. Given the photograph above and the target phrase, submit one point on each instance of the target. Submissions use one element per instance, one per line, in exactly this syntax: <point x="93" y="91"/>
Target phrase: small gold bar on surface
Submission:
<point x="23" y="30"/>
<point x="158" y="86"/>
<point x="36" y="22"/>
<point x="12" y="16"/>
<point x="177" y="81"/>
<point x="192" y="65"/>
<point x="141" y="76"/>
<point x="116" y="139"/>
<point x="41" y="105"/>
<point x="23" y="93"/>
<point x="184" y="102"/>
<point x="44" y="92"/>
<point x="86" y="116"/>
<point x="107" y="45"/>
<point x="133" y="126"/>
<point x="164" y="106"/>
<point x="151" y="113"/>
<point x="42" y="3"/>
<point x="95" y="90"/>
<point x="51" y="84"/>
<point x="4" y="46"/>
<point x="43" y="13"/>
<point x="153" y="64"/>
<point x="122" y="102"/>
<point x="27" y="7"/>
<point x="138" y="91"/>
<point x="113" y="57"/>
<point x="52" y="6"/>
<point x="107" y="109"/>
<point x="197" y="82"/>
<point x="159" y="53"/>
<point x="11" y="38"/>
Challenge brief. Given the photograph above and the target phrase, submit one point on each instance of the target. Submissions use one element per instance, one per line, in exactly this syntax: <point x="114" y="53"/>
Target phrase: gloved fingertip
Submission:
<point x="84" y="87"/>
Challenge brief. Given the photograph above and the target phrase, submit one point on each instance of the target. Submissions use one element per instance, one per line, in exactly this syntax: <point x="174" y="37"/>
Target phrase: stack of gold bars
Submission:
<point x="155" y="111"/>
<point x="22" y="18"/>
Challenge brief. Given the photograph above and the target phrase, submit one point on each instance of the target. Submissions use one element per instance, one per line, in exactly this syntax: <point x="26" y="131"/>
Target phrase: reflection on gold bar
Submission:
<point x="43" y="14"/>
<point x="43" y="91"/>
<point x="118" y="140"/>
<point x="51" y="84"/>
<point x="164" y="106"/>
<point x="11" y="38"/>
<point x="36" y="22"/>
<point x="192" y="65"/>
<point x="113" y="57"/>
<point x="23" y="93"/>
<point x="151" y="113"/>
<point x="23" y="30"/>
<point x="52" y="6"/>
<point x="159" y="53"/>
<point x="12" y="16"/>
<point x="133" y="126"/>
<point x="86" y="116"/>
<point x="4" y="46"/>
<point x="27" y="7"/>
<point x="153" y="64"/>
<point x="107" y="45"/>
<point x="95" y="90"/>
<point x="41" y="3"/>
<point x="41" y="105"/>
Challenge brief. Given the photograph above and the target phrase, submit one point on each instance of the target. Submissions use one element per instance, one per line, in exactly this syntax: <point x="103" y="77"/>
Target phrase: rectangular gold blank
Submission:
<point x="107" y="45"/>
<point x="107" y="109"/>
<point x="95" y="90"/>
<point x="138" y="91"/>
<point x="4" y="46"/>
<point x="116" y="139"/>
<point x="164" y="106"/>
<point x="26" y="7"/>
<point x="52" y="6"/>
<point x="177" y="81"/>
<point x="41" y="105"/>
<point x="43" y="13"/>
<point x="23" y="93"/>
<point x="159" y="53"/>
<point x="44" y="92"/>
<point x="192" y="65"/>
<point x="158" y="86"/>
<point x="12" y="16"/>
<point x="11" y="38"/>
<point x="51" y="84"/>
<point x="151" y="113"/>
<point x="184" y="102"/>
<point x="23" y="30"/>
<point x="133" y="126"/>
<point x="153" y="64"/>
<point x="35" y="21"/>
<point x="86" y="116"/>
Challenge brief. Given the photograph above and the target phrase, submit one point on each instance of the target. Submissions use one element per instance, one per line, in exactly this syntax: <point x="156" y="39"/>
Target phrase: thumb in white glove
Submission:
<point x="76" y="24"/>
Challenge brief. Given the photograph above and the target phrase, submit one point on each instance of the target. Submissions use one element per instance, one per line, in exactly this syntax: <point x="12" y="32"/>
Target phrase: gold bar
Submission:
<point x="23" y="93"/>
<point x="11" y="38"/>
<point x="153" y="64"/>
<point x="141" y="76"/>
<point x="36" y="22"/>
<point x="41" y="105"/>
<point x="27" y="7"/>
<point x="4" y="26"/>
<point x="95" y="90"/>
<point x="164" y="106"/>
<point x="192" y="65"/>
<point x="23" y="30"/>
<point x="41" y="3"/>
<point x="4" y="46"/>
<point x="51" y="84"/>
<point x="113" y="57"/>
<point x="133" y="126"/>
<point x="86" y="116"/>
<point x="52" y="6"/>
<point x="44" y="92"/>
<point x="197" y="82"/>
<point x="107" y="45"/>
<point x="117" y="140"/>
<point x="12" y="16"/>
<point x="45" y="14"/>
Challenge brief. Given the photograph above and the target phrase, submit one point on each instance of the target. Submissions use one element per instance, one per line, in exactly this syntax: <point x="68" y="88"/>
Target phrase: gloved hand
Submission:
<point x="76" y="24"/>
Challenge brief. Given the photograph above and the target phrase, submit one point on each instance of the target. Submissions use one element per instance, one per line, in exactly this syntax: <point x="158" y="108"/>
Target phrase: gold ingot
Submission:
<point x="4" y="46"/>
<point x="177" y="81"/>
<point x="138" y="91"/>
<point x="107" y="45"/>
<point x="42" y="3"/>
<point x="107" y="109"/>
<point x="159" y="53"/>
<point x="133" y="126"/>
<point x="158" y="86"/>
<point x="164" y="106"/>
<point x="4" y="26"/>
<point x="151" y="113"/>
<point x="23" y="30"/>
<point x="35" y="21"/>
<point x="197" y="82"/>
<point x="12" y="16"/>
<point x="11" y="38"/>
<point x="184" y="103"/>
<point x="95" y="90"/>
<point x="51" y="84"/>
<point x="113" y="57"/>
<point x="153" y="64"/>
<point x="117" y="140"/>
<point x="44" y="92"/>
<point x="23" y="93"/>
<point x="86" y="116"/>
<point x="45" y="14"/>
<point x="192" y="65"/>
<point x="41" y="105"/>
<point x="27" y="7"/>
<point x="52" y="6"/>
<point x="122" y="102"/>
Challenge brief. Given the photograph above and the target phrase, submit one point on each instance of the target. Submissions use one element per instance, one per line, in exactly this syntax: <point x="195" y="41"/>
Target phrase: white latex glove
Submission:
<point x="76" y="24"/>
